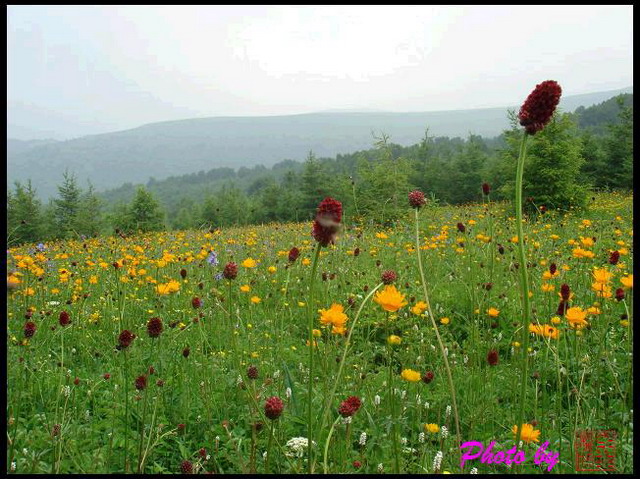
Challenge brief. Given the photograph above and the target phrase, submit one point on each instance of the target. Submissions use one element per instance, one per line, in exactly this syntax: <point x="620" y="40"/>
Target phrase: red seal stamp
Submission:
<point x="595" y="450"/>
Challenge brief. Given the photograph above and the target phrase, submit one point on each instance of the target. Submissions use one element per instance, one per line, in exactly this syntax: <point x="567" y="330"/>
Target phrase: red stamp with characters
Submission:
<point x="595" y="450"/>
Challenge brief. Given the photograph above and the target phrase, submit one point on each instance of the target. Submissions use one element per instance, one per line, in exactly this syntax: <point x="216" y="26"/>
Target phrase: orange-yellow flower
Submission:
<point x="255" y="299"/>
<point x="627" y="281"/>
<point x="602" y="275"/>
<point x="249" y="263"/>
<point x="411" y="375"/>
<point x="493" y="312"/>
<point x="390" y="298"/>
<point x="544" y="330"/>
<point x="334" y="315"/>
<point x="528" y="433"/>
<point x="419" y="308"/>
<point x="576" y="317"/>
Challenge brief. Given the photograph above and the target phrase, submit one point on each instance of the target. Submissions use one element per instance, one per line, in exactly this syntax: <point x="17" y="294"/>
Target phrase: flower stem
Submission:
<point x="524" y="284"/>
<point x="435" y="327"/>
<point x="314" y="268"/>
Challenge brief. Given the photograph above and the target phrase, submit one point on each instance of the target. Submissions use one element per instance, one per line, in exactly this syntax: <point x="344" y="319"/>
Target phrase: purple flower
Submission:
<point x="41" y="247"/>
<point x="213" y="259"/>
<point x="218" y="276"/>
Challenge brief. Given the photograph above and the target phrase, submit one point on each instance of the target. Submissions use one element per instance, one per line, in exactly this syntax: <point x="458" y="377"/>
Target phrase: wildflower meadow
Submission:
<point x="483" y="338"/>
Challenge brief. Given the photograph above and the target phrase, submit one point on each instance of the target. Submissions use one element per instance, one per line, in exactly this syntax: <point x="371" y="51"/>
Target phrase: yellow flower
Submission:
<point x="627" y="281"/>
<point x="547" y="288"/>
<point x="317" y="333"/>
<point x="334" y="315"/>
<point x="394" y="340"/>
<point x="576" y="317"/>
<point x="586" y="242"/>
<point x="444" y="320"/>
<point x="255" y="299"/>
<point x="272" y="269"/>
<point x="245" y="288"/>
<point x="381" y="235"/>
<point x="556" y="320"/>
<point x="306" y="261"/>
<point x="163" y="289"/>
<point x="173" y="286"/>
<point x="544" y="330"/>
<point x="419" y="308"/>
<point x="602" y="275"/>
<point x="432" y="428"/>
<point x="338" y="329"/>
<point x="390" y="298"/>
<point x="582" y="253"/>
<point x="249" y="263"/>
<point x="493" y="312"/>
<point x="411" y="375"/>
<point x="93" y="280"/>
<point x="528" y="433"/>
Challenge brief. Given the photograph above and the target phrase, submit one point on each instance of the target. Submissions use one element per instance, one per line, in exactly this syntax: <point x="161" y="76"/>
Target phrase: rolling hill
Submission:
<point x="164" y="149"/>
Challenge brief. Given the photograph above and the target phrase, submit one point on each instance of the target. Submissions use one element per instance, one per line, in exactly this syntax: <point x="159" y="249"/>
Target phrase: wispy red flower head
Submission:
<point x="252" y="372"/>
<point x="389" y="277"/>
<point x="553" y="268"/>
<point x="141" y="382"/>
<point x="461" y="228"/>
<point x="562" y="308"/>
<point x="154" y="327"/>
<point x="186" y="467"/>
<point x="273" y="407"/>
<point x="126" y="338"/>
<point x="565" y="292"/>
<point x="293" y="254"/>
<point x="492" y="357"/>
<point x="196" y="302"/>
<point x="614" y="257"/>
<point x="327" y="222"/>
<point x="539" y="106"/>
<point x="428" y="377"/>
<point x="416" y="199"/>
<point x="486" y="189"/>
<point x="349" y="406"/>
<point x="619" y="297"/>
<point x="64" y="318"/>
<point x="29" y="329"/>
<point x="230" y="271"/>
<point x="183" y="273"/>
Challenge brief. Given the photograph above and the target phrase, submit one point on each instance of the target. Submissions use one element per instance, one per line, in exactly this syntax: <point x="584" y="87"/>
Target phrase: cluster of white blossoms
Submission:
<point x="437" y="461"/>
<point x="296" y="446"/>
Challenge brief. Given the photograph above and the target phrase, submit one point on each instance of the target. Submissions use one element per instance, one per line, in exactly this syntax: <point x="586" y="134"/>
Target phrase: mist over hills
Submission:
<point x="169" y="148"/>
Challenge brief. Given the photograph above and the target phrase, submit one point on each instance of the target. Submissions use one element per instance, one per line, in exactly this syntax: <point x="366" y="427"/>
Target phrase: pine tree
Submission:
<point x="145" y="213"/>
<point x="313" y="186"/>
<point x="619" y="149"/>
<point x="89" y="219"/>
<point x="24" y="215"/>
<point x="67" y="206"/>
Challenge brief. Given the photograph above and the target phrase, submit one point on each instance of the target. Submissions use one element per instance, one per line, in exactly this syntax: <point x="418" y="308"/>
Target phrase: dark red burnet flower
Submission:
<point x="202" y="452"/>
<point x="252" y="372"/>
<point x="461" y="228"/>
<point x="492" y="357"/>
<point x="181" y="427"/>
<point x="186" y="467"/>
<point x="76" y="381"/>
<point x="154" y="327"/>
<point x="428" y="377"/>
<point x="141" y="382"/>
<point x="56" y="430"/>
<point x="106" y="376"/>
<point x="186" y="351"/>
<point x="196" y="302"/>
<point x="293" y="254"/>
<point x="388" y="276"/>
<point x="619" y="294"/>
<point x="500" y="249"/>
<point x="562" y="307"/>
<point x="64" y="318"/>
<point x="327" y="222"/>
<point x="183" y="273"/>
<point x="357" y="464"/>
<point x="539" y="106"/>
<point x="230" y="270"/>
<point x="486" y="189"/>
<point x="565" y="292"/>
<point x="416" y="199"/>
<point x="553" y="268"/>
<point x="349" y="406"/>
<point x="29" y="329"/>
<point x="273" y="407"/>
<point x="126" y="338"/>
<point x="614" y="257"/>
<point x="356" y="252"/>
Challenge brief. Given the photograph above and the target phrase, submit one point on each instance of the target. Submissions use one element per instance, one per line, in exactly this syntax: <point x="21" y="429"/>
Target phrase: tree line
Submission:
<point x="589" y="149"/>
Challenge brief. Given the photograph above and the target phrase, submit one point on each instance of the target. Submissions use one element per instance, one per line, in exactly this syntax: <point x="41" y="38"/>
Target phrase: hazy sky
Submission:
<point x="78" y="70"/>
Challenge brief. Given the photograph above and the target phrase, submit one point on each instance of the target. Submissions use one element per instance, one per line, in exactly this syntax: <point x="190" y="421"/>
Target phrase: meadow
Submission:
<point x="191" y="388"/>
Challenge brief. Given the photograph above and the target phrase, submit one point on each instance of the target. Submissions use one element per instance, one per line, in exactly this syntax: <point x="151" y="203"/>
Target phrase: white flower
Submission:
<point x="427" y="405"/>
<point x="276" y="374"/>
<point x="380" y="468"/>
<point x="465" y="359"/>
<point x="288" y="393"/>
<point x="500" y="336"/>
<point x="376" y="400"/>
<point x="73" y="350"/>
<point x="404" y="394"/>
<point x="447" y="411"/>
<point x="444" y="432"/>
<point x="403" y="441"/>
<point x="437" y="461"/>
<point x="474" y="471"/>
<point x="346" y="420"/>
<point x="421" y="437"/>
<point x="297" y="446"/>
<point x="66" y="390"/>
<point x="13" y="466"/>
<point x="446" y="351"/>
<point x="363" y="439"/>
<point x="25" y="451"/>
<point x="239" y="380"/>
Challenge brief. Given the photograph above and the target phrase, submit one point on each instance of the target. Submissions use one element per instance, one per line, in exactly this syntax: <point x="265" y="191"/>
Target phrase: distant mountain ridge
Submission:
<point x="169" y="148"/>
